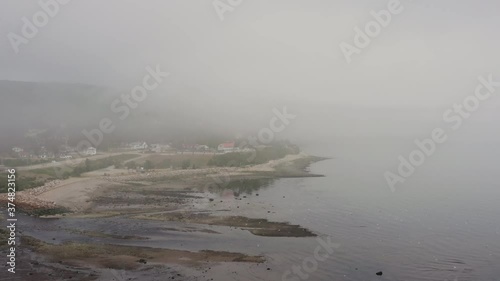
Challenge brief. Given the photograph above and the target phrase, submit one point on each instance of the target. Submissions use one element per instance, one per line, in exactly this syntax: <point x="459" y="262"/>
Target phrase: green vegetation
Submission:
<point x="45" y="212"/>
<point x="50" y="171"/>
<point x="38" y="177"/>
<point x="234" y="159"/>
<point x="148" y="165"/>
<point x="186" y="164"/>
<point x="260" y="156"/>
<point x="179" y="161"/>
<point x="23" y="162"/>
<point x="23" y="182"/>
<point x="131" y="165"/>
<point x="93" y="165"/>
<point x="4" y="235"/>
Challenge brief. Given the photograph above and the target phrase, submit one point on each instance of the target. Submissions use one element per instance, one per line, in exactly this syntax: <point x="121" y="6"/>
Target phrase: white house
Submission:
<point x="202" y="147"/>
<point x="159" y="147"/>
<point x="23" y="154"/>
<point x="155" y="148"/>
<point x="91" y="151"/>
<point x="65" y="149"/>
<point x="139" y="145"/>
<point x="226" y="147"/>
<point x="17" y="149"/>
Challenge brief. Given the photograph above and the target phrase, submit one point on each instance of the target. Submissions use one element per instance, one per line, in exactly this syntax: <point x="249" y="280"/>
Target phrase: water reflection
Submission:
<point x="241" y="186"/>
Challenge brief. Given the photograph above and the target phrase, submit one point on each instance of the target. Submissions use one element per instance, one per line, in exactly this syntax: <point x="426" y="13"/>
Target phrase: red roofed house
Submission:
<point x="226" y="147"/>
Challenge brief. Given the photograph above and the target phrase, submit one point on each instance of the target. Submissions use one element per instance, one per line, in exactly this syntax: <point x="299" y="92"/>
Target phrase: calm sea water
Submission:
<point x="443" y="223"/>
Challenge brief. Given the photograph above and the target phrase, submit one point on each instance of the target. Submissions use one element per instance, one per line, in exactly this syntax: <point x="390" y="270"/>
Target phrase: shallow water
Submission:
<point x="443" y="223"/>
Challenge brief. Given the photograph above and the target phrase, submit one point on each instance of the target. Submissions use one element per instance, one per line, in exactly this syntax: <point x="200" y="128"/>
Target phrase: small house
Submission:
<point x="226" y="147"/>
<point x="139" y="145"/>
<point x="17" y="149"/>
<point x="91" y="151"/>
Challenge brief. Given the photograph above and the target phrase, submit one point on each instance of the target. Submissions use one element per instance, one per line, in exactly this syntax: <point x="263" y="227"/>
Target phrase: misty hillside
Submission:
<point x="189" y="114"/>
<point x="67" y="109"/>
<point x="51" y="103"/>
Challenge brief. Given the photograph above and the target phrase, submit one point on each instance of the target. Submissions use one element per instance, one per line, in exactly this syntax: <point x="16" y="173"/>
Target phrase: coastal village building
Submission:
<point x="158" y="148"/>
<point x="202" y="147"/>
<point x="17" y="149"/>
<point x="91" y="151"/>
<point x="139" y="145"/>
<point x="226" y="147"/>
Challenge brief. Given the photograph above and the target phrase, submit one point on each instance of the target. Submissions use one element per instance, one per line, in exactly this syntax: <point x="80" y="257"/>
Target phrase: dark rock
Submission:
<point x="379" y="273"/>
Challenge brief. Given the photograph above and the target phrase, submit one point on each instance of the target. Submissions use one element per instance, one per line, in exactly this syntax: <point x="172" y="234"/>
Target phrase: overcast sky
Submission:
<point x="429" y="56"/>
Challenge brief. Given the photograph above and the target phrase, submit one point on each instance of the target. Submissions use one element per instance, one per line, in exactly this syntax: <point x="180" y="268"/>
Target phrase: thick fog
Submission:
<point x="231" y="64"/>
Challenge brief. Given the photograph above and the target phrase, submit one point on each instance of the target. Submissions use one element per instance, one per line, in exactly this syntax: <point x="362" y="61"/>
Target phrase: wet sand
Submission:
<point x="261" y="227"/>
